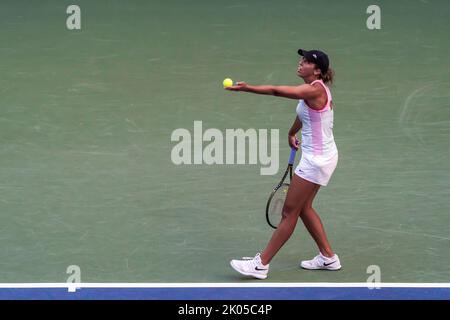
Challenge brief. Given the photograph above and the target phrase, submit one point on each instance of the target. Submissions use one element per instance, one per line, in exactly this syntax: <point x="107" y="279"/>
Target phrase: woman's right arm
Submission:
<point x="296" y="126"/>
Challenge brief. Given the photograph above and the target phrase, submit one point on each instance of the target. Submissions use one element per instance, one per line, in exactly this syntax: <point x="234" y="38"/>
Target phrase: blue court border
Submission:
<point x="228" y="293"/>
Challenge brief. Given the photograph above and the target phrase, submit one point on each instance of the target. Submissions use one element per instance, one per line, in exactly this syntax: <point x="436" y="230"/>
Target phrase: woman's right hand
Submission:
<point x="239" y="86"/>
<point x="293" y="141"/>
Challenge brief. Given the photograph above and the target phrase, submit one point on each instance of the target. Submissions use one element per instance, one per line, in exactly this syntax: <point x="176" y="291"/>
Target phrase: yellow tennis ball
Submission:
<point x="227" y="82"/>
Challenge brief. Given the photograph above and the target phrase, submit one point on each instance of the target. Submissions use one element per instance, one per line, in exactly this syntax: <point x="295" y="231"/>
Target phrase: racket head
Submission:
<point x="275" y="204"/>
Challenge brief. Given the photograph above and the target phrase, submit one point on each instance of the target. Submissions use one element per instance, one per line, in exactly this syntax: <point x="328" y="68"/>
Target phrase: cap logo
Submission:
<point x="315" y="56"/>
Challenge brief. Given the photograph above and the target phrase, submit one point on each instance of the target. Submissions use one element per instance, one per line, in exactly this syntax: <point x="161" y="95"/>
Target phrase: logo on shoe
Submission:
<point x="327" y="264"/>
<point x="258" y="269"/>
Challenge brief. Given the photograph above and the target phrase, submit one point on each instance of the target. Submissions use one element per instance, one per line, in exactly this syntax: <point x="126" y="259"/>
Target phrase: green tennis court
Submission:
<point x="86" y="117"/>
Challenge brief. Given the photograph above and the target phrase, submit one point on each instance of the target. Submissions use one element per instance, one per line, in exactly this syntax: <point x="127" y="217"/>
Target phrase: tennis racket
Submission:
<point x="274" y="207"/>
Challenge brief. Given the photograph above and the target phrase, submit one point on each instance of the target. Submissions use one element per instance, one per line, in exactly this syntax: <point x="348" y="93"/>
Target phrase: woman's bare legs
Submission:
<point x="314" y="225"/>
<point x="299" y="192"/>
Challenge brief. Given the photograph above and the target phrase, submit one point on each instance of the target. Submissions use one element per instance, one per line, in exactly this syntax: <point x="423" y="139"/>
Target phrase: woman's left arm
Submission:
<point x="304" y="91"/>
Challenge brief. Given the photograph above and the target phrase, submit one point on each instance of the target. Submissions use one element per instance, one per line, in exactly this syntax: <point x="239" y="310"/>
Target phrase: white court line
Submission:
<point x="227" y="285"/>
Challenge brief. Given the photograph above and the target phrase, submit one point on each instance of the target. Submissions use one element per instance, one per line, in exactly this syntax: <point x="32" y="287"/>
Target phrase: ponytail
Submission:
<point x="328" y="77"/>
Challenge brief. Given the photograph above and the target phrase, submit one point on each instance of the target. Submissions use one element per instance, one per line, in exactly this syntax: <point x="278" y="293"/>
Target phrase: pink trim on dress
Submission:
<point x="327" y="104"/>
<point x="315" y="119"/>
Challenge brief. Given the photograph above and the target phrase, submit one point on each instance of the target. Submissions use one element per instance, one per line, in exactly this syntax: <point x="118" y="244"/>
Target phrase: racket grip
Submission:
<point x="292" y="156"/>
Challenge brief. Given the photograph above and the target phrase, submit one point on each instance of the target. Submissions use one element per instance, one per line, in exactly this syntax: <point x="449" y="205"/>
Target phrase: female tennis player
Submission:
<point x="318" y="162"/>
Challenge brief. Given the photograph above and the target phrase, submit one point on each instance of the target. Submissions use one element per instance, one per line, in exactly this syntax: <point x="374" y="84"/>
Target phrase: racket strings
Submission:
<point x="276" y="205"/>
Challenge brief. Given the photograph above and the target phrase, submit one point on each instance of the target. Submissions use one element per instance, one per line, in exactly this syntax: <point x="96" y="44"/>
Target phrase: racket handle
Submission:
<point x="292" y="156"/>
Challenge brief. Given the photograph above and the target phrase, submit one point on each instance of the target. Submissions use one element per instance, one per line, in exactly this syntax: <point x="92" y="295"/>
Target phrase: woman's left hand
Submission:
<point x="240" y="86"/>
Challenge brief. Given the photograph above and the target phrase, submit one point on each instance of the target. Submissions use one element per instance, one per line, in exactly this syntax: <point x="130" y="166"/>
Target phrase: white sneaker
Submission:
<point x="252" y="267"/>
<point x="320" y="262"/>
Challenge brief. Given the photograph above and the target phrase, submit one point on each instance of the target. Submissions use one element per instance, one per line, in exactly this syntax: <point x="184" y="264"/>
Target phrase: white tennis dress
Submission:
<point x="319" y="152"/>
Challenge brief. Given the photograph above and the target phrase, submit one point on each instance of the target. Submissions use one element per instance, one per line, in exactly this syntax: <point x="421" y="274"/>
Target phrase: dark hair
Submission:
<point x="328" y="76"/>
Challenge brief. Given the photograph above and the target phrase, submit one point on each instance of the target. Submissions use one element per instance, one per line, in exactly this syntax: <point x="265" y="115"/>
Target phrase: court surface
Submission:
<point x="86" y="118"/>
